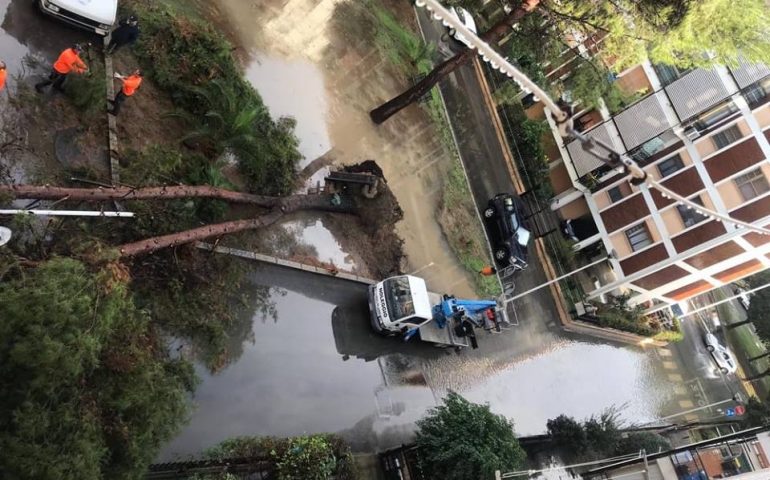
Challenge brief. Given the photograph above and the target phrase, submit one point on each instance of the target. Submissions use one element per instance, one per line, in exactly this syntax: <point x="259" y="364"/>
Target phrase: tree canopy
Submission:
<point x="675" y="32"/>
<point x="460" y="440"/>
<point x="599" y="437"/>
<point x="88" y="390"/>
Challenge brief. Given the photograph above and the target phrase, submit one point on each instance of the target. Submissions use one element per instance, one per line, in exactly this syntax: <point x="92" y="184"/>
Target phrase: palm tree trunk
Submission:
<point x="285" y="206"/>
<point x="491" y="36"/>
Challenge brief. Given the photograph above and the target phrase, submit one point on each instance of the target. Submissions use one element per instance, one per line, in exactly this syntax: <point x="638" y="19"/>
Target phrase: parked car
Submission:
<point x="97" y="16"/>
<point x="721" y="354"/>
<point x="744" y="298"/>
<point x="508" y="230"/>
<point x="466" y="19"/>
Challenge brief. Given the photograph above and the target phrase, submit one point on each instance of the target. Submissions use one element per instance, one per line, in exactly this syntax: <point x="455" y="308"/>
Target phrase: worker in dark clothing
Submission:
<point x="126" y="34"/>
<point x="69" y="61"/>
<point x="130" y="84"/>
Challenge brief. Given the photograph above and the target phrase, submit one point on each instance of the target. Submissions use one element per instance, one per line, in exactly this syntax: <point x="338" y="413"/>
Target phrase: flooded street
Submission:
<point x="320" y="368"/>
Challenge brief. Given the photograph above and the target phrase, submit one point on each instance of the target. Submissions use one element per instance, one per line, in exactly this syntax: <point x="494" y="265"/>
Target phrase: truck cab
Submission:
<point x="97" y="16"/>
<point x="399" y="304"/>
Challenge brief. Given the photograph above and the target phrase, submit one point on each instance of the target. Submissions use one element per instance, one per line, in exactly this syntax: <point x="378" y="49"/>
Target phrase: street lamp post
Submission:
<point x="610" y="256"/>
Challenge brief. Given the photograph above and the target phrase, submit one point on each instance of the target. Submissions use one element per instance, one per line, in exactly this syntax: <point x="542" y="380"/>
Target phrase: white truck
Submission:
<point x="97" y="16"/>
<point x="403" y="306"/>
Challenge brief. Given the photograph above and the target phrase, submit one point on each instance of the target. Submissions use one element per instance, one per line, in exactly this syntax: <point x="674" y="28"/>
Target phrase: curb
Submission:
<point x="285" y="263"/>
<point x="112" y="124"/>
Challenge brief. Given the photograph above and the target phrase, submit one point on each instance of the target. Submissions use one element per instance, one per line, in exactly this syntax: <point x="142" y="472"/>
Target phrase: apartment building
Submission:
<point x="704" y="134"/>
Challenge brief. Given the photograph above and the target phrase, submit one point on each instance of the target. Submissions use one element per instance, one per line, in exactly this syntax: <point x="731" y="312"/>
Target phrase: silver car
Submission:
<point x="721" y="354"/>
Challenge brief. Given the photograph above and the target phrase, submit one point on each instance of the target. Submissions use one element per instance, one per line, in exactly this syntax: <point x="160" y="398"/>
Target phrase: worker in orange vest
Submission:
<point x="488" y="270"/>
<point x="130" y="84"/>
<point x="69" y="61"/>
<point x="3" y="74"/>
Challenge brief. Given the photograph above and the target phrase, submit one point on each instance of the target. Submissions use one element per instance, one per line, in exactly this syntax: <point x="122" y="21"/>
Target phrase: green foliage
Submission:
<point x="461" y="440"/>
<point x="307" y="457"/>
<point x="675" y="334"/>
<point x="86" y="91"/>
<point x="759" y="313"/>
<point x="312" y="457"/>
<point x="88" y="389"/>
<point x="599" y="437"/>
<point x="590" y="82"/>
<point x="404" y="48"/>
<point x="508" y="94"/>
<point x="526" y="138"/>
<point x="192" y="61"/>
<point x="616" y="313"/>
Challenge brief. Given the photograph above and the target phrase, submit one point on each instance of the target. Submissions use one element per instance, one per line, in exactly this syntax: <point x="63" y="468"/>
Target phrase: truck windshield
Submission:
<point x="399" y="298"/>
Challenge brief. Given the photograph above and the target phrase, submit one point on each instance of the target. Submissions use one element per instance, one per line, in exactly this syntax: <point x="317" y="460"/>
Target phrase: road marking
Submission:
<point x="669" y="365"/>
<point x="680" y="390"/>
<point x="422" y="268"/>
<point x="675" y="377"/>
<point x="686" y="404"/>
<point x="664" y="352"/>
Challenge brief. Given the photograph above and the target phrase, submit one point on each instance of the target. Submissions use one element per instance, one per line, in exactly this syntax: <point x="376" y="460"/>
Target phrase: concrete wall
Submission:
<point x="705" y="145"/>
<point x="763" y="116"/>
<point x="729" y="192"/>
<point x="575" y="209"/>
<point x="633" y="80"/>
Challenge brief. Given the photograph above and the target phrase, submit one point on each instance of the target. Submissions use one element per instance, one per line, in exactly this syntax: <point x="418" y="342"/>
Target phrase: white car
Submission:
<point x="721" y="354"/>
<point x="466" y="19"/>
<point x="97" y="16"/>
<point x="743" y="297"/>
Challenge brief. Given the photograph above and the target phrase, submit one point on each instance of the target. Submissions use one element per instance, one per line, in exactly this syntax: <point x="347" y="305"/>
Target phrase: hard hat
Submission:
<point x="5" y="236"/>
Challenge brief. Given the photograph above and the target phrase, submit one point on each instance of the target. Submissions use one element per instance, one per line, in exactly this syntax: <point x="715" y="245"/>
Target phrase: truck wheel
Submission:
<point x="489" y="212"/>
<point x="710" y="348"/>
<point x="724" y="371"/>
<point x="501" y="254"/>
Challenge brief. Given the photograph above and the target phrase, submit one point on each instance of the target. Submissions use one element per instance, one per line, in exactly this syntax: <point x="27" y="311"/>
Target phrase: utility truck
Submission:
<point x="403" y="306"/>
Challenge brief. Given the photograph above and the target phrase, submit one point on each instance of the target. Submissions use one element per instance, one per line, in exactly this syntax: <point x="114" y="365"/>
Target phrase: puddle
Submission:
<point x="316" y="235"/>
<point x="294" y="88"/>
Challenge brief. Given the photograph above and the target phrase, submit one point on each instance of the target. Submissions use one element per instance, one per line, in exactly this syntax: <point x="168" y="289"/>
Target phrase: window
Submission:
<point x="714" y="116"/>
<point x="690" y="216"/>
<point x="670" y="165"/>
<point x="756" y="93"/>
<point x="752" y="184"/>
<point x="727" y="136"/>
<point x="667" y="74"/>
<point x="638" y="237"/>
<point x="615" y="194"/>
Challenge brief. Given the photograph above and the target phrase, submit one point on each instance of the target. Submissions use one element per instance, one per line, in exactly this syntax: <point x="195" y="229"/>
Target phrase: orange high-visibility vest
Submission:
<point x="69" y="60"/>
<point x="3" y="74"/>
<point x="130" y="84"/>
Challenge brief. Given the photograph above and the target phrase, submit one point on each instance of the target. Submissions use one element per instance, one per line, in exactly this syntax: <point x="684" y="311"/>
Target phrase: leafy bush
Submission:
<point x="526" y="137"/>
<point x="313" y="457"/>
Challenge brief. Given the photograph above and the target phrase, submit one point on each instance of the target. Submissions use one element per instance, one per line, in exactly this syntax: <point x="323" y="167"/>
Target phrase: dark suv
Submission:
<point x="508" y="231"/>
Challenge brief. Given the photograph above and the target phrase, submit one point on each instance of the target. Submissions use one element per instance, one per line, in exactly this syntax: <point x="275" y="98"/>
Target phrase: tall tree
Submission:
<point x="461" y="440"/>
<point x="88" y="390"/>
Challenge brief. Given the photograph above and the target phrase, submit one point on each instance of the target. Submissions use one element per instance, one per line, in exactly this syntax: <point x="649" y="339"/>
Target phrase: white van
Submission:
<point x="94" y="15"/>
